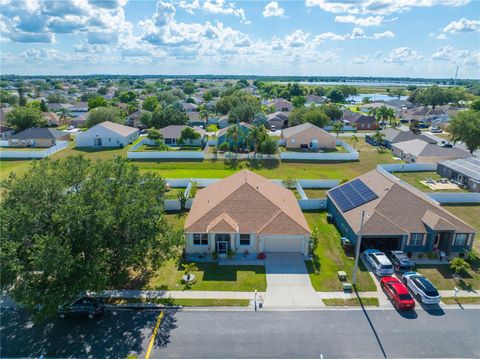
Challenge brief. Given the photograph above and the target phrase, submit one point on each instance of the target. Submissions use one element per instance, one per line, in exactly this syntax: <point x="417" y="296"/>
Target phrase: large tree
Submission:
<point x="170" y="115"/>
<point x="97" y="101"/>
<point x="25" y="117"/>
<point x="150" y="103"/>
<point x="70" y="226"/>
<point x="465" y="127"/>
<point x="102" y="114"/>
<point x="315" y="115"/>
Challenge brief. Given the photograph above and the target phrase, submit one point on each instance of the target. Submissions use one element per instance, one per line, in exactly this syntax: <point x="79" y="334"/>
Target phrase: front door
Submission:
<point x="97" y="142"/>
<point x="223" y="243"/>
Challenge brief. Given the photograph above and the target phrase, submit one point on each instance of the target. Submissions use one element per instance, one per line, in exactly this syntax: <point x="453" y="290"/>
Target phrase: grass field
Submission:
<point x="331" y="258"/>
<point x="414" y="178"/>
<point x="337" y="302"/>
<point x="147" y="148"/>
<point x="369" y="158"/>
<point x="315" y="192"/>
<point x="471" y="215"/>
<point x="442" y="276"/>
<point x="461" y="300"/>
<point x="182" y="302"/>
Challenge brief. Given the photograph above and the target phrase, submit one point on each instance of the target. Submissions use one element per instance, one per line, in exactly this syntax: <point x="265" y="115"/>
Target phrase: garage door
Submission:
<point x="273" y="244"/>
<point x="382" y="244"/>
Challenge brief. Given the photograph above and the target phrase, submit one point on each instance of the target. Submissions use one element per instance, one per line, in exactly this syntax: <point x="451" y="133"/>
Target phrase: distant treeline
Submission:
<point x="346" y="79"/>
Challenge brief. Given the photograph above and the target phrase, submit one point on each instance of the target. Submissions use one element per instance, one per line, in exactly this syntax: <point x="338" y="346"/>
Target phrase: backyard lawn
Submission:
<point x="332" y="258"/>
<point x="316" y="192"/>
<point x="414" y="178"/>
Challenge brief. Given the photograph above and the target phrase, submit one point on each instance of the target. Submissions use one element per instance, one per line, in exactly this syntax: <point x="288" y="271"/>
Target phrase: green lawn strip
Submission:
<point x="470" y="214"/>
<point x="338" y="302"/>
<point x="149" y="148"/>
<point x="461" y="300"/>
<point x="210" y="276"/>
<point x="7" y="149"/>
<point x="176" y="220"/>
<point x="414" y="178"/>
<point x="332" y="258"/>
<point x="316" y="192"/>
<point x="442" y="277"/>
<point x="173" y="193"/>
<point x="184" y="302"/>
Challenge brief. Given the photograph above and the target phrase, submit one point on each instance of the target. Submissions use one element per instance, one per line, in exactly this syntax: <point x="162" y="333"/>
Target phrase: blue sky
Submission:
<point x="416" y="38"/>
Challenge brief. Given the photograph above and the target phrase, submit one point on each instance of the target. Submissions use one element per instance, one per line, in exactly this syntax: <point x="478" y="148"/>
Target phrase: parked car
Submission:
<point x="397" y="292"/>
<point x="422" y="288"/>
<point x="82" y="307"/>
<point x="378" y="260"/>
<point x="436" y="130"/>
<point x="401" y="263"/>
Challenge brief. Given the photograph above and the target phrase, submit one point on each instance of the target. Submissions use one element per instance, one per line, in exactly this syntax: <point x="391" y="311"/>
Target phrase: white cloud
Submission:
<point x="401" y="55"/>
<point x="357" y="33"/>
<point x="382" y="35"/>
<point x="359" y="60"/>
<point x="462" y="25"/>
<point x="214" y="7"/>
<point x="441" y="37"/>
<point x="456" y="56"/>
<point x="377" y="7"/>
<point x="273" y="9"/>
<point x="297" y="39"/>
<point x="329" y="36"/>
<point x="366" y="21"/>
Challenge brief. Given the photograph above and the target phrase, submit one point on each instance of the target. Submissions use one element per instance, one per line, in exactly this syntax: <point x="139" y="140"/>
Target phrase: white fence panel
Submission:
<point x="4" y="143"/>
<point x="58" y="147"/>
<point x="183" y="182"/>
<point x="301" y="192"/>
<point x="166" y="155"/>
<point x="309" y="183"/>
<point x="344" y="128"/>
<point x="352" y="154"/>
<point x="172" y="205"/>
<point x="452" y="197"/>
<point x="311" y="204"/>
<point x="409" y="167"/>
<point x="22" y="154"/>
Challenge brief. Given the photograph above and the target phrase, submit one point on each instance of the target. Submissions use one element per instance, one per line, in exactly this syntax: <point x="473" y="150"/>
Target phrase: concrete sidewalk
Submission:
<point x="192" y="294"/>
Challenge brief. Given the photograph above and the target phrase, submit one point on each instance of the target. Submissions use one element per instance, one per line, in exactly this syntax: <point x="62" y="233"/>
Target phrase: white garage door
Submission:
<point x="273" y="244"/>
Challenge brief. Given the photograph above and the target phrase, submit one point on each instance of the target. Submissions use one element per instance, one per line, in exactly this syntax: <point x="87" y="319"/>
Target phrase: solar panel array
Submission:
<point x="352" y="195"/>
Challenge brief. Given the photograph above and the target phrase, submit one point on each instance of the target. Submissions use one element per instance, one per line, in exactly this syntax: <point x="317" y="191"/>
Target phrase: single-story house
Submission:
<point x="307" y="136"/>
<point x="281" y="105"/>
<point x="56" y="106"/>
<point x="107" y="134"/>
<point x="246" y="213"/>
<point x="195" y="120"/>
<point x="78" y="109"/>
<point x="51" y="118"/>
<point x="360" y="120"/>
<point x="223" y="122"/>
<point x="465" y="171"/>
<point x="244" y="129"/>
<point x="6" y="132"/>
<point x="38" y="137"/>
<point x="420" y="151"/>
<point x="315" y="100"/>
<point x="394" y="136"/>
<point x="189" y="107"/>
<point x="427" y="114"/>
<point x="277" y="120"/>
<point x="79" y="121"/>
<point x="396" y="217"/>
<point x="171" y="135"/>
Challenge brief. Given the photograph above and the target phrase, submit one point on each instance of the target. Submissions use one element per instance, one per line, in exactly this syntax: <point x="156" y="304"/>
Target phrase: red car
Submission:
<point x="398" y="293"/>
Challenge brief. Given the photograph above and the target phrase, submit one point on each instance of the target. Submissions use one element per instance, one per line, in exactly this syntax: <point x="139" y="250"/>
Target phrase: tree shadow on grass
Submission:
<point x="268" y="164"/>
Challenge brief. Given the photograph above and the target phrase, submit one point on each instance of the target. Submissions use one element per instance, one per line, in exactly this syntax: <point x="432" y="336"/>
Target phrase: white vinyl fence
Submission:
<point x="454" y="198"/>
<point x="131" y="154"/>
<point x="34" y="154"/>
<point x="352" y="155"/>
<point x="409" y="167"/>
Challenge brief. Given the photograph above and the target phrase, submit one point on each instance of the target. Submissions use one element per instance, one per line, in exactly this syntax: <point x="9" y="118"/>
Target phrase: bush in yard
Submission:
<point x="459" y="265"/>
<point x="224" y="147"/>
<point x="64" y="230"/>
<point x="261" y="256"/>
<point x="214" y="256"/>
<point x="188" y="135"/>
<point x="155" y="135"/>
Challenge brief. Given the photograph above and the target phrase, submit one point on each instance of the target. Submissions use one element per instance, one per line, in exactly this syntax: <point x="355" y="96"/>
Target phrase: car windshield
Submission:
<point x="427" y="287"/>
<point x="387" y="266"/>
<point x="405" y="297"/>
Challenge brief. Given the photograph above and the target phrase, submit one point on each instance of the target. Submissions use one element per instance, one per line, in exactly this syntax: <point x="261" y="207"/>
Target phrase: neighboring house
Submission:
<point x="396" y="217"/>
<point x="52" y="118"/>
<point x="465" y="171"/>
<point x="394" y="136"/>
<point x="78" y="109"/>
<point x="194" y="119"/>
<point x="79" y="121"/>
<point x="315" y="100"/>
<point x="246" y="213"/>
<point x="6" y="132"/>
<point x="244" y="129"/>
<point x="133" y="119"/>
<point x="3" y="114"/>
<point x="421" y="151"/>
<point x="427" y="114"/>
<point x="171" y="135"/>
<point x="360" y="120"/>
<point x="54" y="106"/>
<point x="107" y="134"/>
<point x="189" y="107"/>
<point x="223" y="122"/>
<point x="307" y="136"/>
<point x="38" y="137"/>
<point x="398" y="104"/>
<point x="277" y="120"/>
<point x="281" y="105"/>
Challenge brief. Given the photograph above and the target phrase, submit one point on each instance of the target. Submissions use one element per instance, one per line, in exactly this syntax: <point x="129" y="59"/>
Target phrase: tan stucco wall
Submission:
<point x="325" y="140"/>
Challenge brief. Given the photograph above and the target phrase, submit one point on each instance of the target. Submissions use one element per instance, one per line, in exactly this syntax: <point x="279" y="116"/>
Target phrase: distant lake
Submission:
<point x="374" y="97"/>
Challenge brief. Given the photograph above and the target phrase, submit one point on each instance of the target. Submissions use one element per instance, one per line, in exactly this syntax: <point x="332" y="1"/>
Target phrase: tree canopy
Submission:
<point x="25" y="117"/>
<point x="71" y="226"/>
<point x="102" y="114"/>
<point x="97" y="101"/>
<point x="315" y="115"/>
<point x="170" y="115"/>
<point x="465" y="127"/>
<point x="150" y="103"/>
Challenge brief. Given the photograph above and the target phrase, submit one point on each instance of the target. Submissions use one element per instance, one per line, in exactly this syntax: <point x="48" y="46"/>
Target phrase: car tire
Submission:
<point x="90" y="316"/>
<point x="62" y="316"/>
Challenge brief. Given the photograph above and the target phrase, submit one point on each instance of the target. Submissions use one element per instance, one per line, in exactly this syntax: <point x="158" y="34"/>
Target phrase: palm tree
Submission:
<point x="459" y="265"/>
<point x="354" y="140"/>
<point x="204" y="113"/>
<point x="64" y="113"/>
<point x="337" y="127"/>
<point x="379" y="137"/>
<point x="256" y="136"/>
<point x="233" y="134"/>
<point x="188" y="269"/>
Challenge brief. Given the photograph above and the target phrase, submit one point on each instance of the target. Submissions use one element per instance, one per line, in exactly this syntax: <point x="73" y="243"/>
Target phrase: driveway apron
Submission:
<point x="288" y="283"/>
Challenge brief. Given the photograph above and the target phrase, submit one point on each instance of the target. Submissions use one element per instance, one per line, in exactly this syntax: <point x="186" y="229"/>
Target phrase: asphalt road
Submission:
<point x="268" y="334"/>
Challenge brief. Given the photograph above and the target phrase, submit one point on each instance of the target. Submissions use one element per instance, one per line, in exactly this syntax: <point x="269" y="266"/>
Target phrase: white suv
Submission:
<point x="378" y="260"/>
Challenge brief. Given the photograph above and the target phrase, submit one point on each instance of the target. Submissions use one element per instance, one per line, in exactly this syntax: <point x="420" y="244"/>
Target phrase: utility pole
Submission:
<point x="456" y="74"/>
<point x="357" y="250"/>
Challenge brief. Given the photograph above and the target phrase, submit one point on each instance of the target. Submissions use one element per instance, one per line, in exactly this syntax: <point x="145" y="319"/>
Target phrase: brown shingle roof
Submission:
<point x="253" y="202"/>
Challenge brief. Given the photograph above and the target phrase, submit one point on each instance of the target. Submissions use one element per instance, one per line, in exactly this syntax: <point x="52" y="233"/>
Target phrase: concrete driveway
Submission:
<point x="288" y="283"/>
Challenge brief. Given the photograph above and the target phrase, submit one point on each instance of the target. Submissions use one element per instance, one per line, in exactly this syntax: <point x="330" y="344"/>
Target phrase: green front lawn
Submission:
<point x="182" y="302"/>
<point x="461" y="300"/>
<point x="331" y="258"/>
<point x="338" y="302"/>
<point x="471" y="215"/>
<point x="210" y="276"/>
<point x="442" y="276"/>
<point x="8" y="149"/>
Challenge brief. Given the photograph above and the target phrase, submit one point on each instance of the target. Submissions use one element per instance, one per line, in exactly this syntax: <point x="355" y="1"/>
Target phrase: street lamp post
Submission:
<point x="357" y="251"/>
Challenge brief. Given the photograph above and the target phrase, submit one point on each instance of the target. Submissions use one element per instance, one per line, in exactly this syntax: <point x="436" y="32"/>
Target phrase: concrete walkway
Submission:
<point x="288" y="283"/>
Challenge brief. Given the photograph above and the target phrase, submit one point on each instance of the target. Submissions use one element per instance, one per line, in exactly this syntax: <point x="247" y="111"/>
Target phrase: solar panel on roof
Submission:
<point x="352" y="194"/>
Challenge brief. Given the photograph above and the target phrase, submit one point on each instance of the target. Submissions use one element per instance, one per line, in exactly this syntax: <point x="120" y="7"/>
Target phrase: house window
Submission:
<point x="416" y="239"/>
<point x="109" y="139"/>
<point x="200" y="239"/>
<point x="168" y="141"/>
<point x="292" y="140"/>
<point x="460" y="239"/>
<point x="244" y="239"/>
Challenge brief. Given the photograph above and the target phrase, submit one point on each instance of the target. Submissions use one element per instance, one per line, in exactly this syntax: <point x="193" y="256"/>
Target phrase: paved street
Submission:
<point x="240" y="334"/>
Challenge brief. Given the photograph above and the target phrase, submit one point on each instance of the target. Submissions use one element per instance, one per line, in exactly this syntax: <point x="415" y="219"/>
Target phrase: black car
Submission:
<point x="401" y="263"/>
<point x="82" y="307"/>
